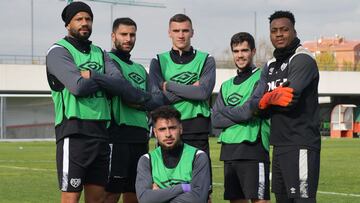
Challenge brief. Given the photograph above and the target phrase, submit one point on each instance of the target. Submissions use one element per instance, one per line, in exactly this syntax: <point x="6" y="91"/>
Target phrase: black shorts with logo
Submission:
<point x="295" y="171"/>
<point x="82" y="160"/>
<point x="123" y="165"/>
<point x="246" y="179"/>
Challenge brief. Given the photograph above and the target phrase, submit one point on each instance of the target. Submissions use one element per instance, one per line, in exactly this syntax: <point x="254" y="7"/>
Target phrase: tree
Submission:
<point x="264" y="52"/>
<point x="326" y="61"/>
<point x="348" y="66"/>
<point x="225" y="61"/>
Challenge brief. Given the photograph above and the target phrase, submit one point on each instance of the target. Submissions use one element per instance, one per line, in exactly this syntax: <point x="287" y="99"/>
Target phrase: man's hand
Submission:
<point x="164" y="86"/>
<point x="85" y="74"/>
<point x="281" y="96"/>
<point x="155" y="187"/>
<point x="197" y="83"/>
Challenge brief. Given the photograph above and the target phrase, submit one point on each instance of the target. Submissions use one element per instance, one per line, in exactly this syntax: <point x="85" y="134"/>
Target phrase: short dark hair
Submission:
<point x="123" y="21"/>
<point x="179" y="18"/>
<point x="165" y="112"/>
<point x="241" y="37"/>
<point x="283" y="14"/>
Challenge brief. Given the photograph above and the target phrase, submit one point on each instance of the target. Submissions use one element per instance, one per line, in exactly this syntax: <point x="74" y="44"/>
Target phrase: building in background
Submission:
<point x="335" y="53"/>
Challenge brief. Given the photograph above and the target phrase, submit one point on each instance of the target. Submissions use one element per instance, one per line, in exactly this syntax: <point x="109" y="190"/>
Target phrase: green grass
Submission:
<point x="28" y="172"/>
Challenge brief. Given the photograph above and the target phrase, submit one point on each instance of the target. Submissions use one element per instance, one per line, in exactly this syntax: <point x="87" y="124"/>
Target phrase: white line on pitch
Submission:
<point x="27" y="161"/>
<point x="337" y="193"/>
<point x="27" y="168"/>
<point x="320" y="192"/>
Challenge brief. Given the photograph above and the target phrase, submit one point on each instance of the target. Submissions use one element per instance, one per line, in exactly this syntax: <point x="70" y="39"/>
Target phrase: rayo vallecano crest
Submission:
<point x="75" y="182"/>
<point x="283" y="66"/>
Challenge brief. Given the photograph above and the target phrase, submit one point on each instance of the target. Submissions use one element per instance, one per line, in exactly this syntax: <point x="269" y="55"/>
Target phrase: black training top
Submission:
<point x="297" y="124"/>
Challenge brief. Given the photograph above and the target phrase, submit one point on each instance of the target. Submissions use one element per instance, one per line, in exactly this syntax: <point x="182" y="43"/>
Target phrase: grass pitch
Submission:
<point x="28" y="172"/>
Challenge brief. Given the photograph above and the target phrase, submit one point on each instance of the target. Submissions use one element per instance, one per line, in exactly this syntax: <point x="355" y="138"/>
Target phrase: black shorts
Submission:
<point x="82" y="160"/>
<point x="295" y="172"/>
<point x="123" y="165"/>
<point x="200" y="144"/>
<point x="246" y="180"/>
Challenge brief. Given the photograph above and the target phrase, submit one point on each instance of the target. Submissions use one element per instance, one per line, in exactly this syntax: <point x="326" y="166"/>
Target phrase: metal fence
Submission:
<point x="40" y="60"/>
<point x="21" y="59"/>
<point x="26" y="118"/>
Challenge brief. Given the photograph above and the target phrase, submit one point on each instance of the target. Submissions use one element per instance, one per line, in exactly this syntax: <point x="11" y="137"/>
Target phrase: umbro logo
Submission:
<point x="292" y="190"/>
<point x="75" y="182"/>
<point x="185" y="78"/>
<point x="234" y="99"/>
<point x="136" y="78"/>
<point x="90" y="66"/>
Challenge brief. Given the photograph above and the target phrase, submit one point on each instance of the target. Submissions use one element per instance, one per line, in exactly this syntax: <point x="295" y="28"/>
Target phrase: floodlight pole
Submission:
<point x="32" y="31"/>
<point x="255" y="57"/>
<point x="255" y="26"/>
<point x="111" y="21"/>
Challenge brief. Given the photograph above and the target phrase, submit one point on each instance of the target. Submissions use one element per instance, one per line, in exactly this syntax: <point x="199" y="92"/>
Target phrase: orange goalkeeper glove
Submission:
<point x="281" y="96"/>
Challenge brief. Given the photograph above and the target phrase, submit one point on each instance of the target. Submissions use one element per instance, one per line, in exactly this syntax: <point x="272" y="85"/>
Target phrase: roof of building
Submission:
<point x="332" y="44"/>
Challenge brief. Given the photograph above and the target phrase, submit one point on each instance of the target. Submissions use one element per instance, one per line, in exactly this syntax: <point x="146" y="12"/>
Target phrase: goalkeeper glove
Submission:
<point x="281" y="96"/>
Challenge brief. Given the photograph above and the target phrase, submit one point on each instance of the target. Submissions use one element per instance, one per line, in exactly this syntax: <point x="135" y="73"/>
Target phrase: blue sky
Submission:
<point x="214" y="22"/>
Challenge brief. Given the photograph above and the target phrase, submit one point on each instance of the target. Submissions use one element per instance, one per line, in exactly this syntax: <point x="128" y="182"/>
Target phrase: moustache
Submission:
<point x="86" y="28"/>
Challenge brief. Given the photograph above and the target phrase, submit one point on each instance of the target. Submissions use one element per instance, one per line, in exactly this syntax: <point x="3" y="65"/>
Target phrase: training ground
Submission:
<point x="28" y="172"/>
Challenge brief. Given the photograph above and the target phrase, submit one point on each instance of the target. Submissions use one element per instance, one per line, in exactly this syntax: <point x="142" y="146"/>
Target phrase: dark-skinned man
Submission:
<point x="291" y="100"/>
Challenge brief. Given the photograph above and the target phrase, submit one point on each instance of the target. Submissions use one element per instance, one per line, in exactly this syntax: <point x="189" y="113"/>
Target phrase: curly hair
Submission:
<point x="165" y="112"/>
<point x="283" y="14"/>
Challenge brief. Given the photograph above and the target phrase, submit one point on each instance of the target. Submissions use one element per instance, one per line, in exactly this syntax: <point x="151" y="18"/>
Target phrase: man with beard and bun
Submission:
<point x="81" y="76"/>
<point x="174" y="172"/>
<point x="187" y="77"/>
<point x="129" y="128"/>
<point x="244" y="137"/>
<point x="291" y="100"/>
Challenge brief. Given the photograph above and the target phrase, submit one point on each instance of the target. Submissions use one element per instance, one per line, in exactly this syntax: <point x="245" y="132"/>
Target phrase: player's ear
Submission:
<point x="155" y="132"/>
<point x="253" y="52"/>
<point x="113" y="37"/>
<point x="169" y="31"/>
<point x="181" y="128"/>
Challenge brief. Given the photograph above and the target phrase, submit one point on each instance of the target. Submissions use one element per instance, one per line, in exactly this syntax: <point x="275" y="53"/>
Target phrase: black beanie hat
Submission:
<point x="72" y="9"/>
